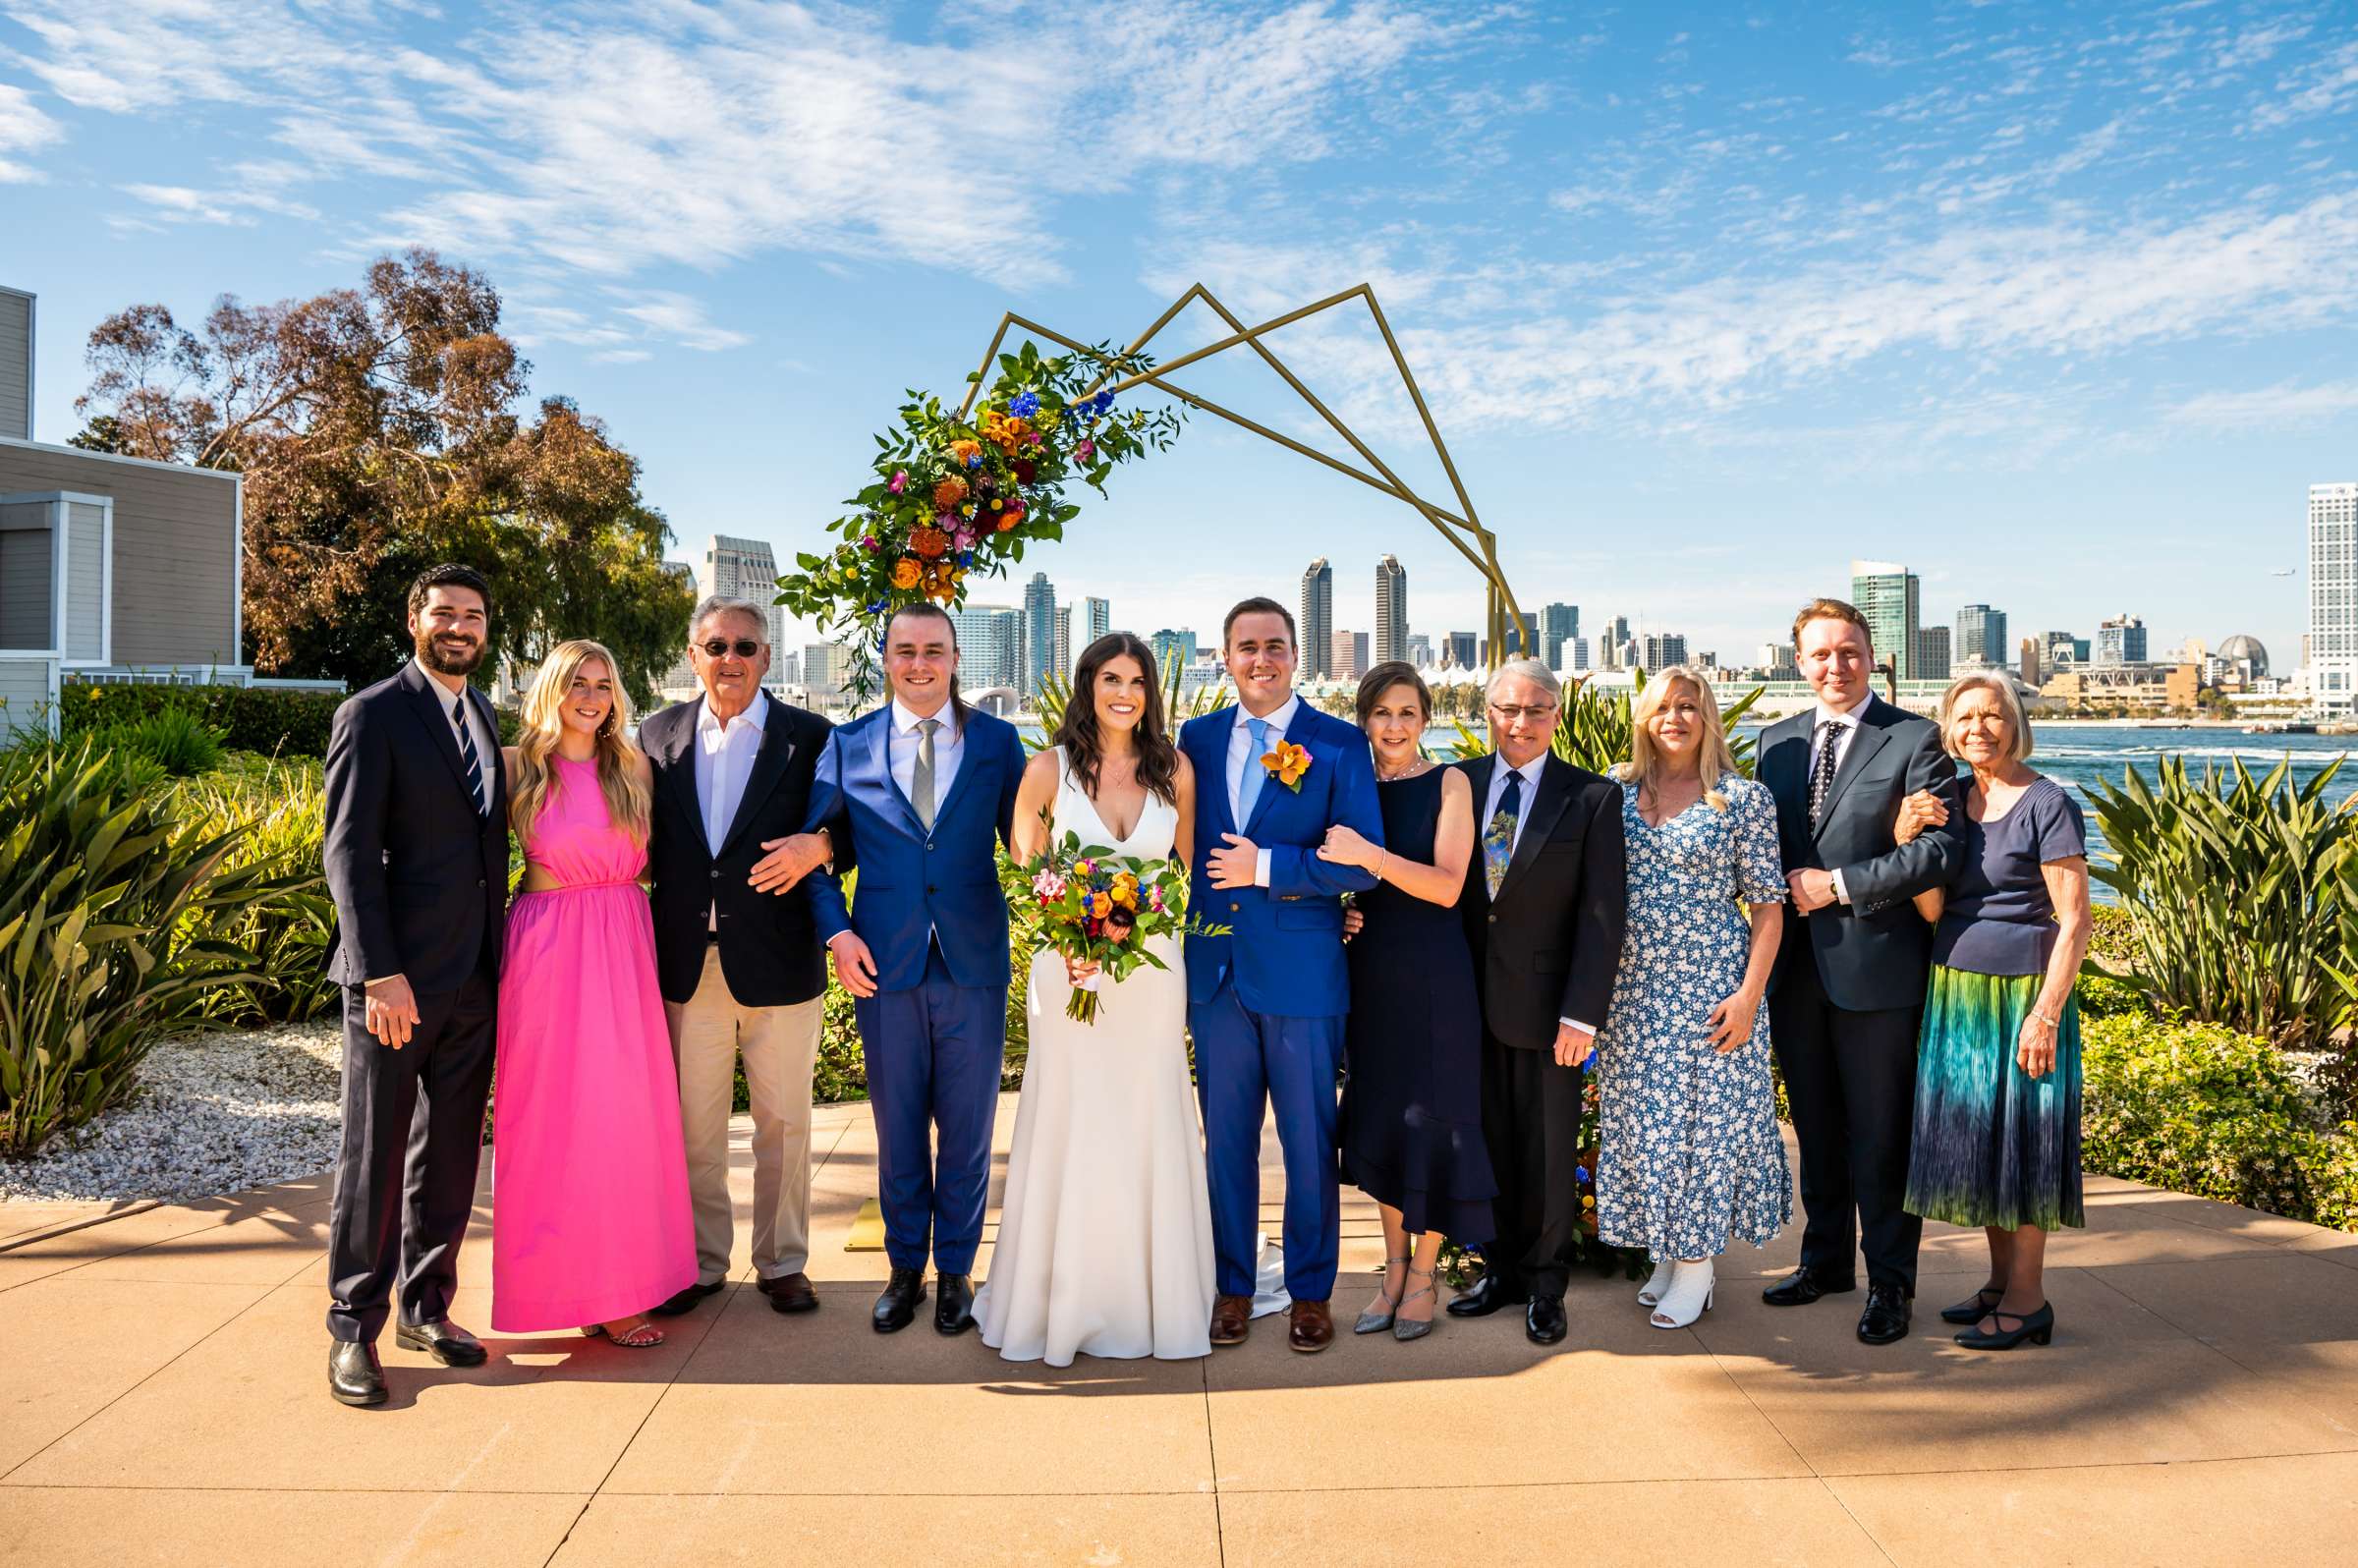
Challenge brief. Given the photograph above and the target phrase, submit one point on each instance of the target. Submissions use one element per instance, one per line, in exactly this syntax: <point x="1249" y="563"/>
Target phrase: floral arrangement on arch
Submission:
<point x="955" y="498"/>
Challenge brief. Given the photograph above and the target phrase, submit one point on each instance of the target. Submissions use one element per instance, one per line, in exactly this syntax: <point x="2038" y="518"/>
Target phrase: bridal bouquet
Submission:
<point x="1095" y="907"/>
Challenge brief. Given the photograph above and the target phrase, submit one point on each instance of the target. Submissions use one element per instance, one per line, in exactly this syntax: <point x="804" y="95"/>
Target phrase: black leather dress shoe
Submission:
<point x="1801" y="1287"/>
<point x="1543" y="1321"/>
<point x="443" y="1340"/>
<point x="1486" y="1296"/>
<point x="354" y="1374"/>
<point x="1886" y="1315"/>
<point x="791" y="1292"/>
<point x="953" y="1303"/>
<point x="686" y="1300"/>
<point x="896" y="1309"/>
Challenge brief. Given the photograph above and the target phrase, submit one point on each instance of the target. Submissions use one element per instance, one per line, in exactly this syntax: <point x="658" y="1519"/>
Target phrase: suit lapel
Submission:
<point x="969" y="760"/>
<point x="1297" y="733"/>
<point x="678" y="784"/>
<point x="1212" y="763"/>
<point x="496" y="764"/>
<point x="1554" y="793"/>
<point x="1865" y="742"/>
<point x="426" y="695"/>
<point x="881" y="749"/>
<point x="769" y="765"/>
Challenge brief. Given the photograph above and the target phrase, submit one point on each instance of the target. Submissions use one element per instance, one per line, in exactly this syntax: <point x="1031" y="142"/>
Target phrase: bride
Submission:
<point x="1106" y="1235"/>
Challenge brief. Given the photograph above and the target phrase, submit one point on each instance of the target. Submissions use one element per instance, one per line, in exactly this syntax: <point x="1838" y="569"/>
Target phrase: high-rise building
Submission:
<point x="1575" y="649"/>
<point x="1659" y="651"/>
<point x="1347" y="656"/>
<point x="2121" y="639"/>
<point x="785" y="669"/>
<point x="1316" y="633"/>
<point x="682" y="675"/>
<point x="1098" y="614"/>
<point x="2332" y="651"/>
<point x="1391" y="610"/>
<point x="1981" y="638"/>
<point x="2032" y="667"/>
<point x="2062" y="647"/>
<point x="744" y="568"/>
<point x="1779" y="661"/>
<point x="1420" y="650"/>
<point x="1039" y="635"/>
<point x="822" y="671"/>
<point x="1459" y="651"/>
<point x="1558" y="624"/>
<point x="1886" y="594"/>
<point x="1931" y="652"/>
<point x="1613" y="642"/>
<point x="1172" y="651"/>
<point x="991" y="646"/>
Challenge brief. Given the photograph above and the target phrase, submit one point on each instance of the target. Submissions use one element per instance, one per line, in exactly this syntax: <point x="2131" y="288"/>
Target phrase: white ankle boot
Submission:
<point x="1688" y="1298"/>
<point x="1656" y="1282"/>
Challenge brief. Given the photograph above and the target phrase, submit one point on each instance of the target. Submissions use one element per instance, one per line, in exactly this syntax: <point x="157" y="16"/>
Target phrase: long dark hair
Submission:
<point x="1077" y="732"/>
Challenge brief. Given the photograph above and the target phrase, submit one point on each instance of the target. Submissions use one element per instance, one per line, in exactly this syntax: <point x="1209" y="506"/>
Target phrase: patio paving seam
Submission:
<point x="1211" y="1453"/>
<point x="652" y="1405"/>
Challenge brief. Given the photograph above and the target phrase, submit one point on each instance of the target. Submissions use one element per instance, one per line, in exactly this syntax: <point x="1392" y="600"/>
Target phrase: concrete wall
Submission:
<point x="15" y="365"/>
<point x="176" y="548"/>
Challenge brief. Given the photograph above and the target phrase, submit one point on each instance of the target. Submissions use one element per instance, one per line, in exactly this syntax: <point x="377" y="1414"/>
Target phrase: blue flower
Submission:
<point x="966" y="557"/>
<point x="1589" y="1061"/>
<point x="1580" y="1173"/>
<point x="974" y="459"/>
<point x="1101" y="403"/>
<point x="1026" y="405"/>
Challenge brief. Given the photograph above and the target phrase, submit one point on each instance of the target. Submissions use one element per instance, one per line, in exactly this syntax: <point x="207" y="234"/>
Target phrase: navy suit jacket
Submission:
<point x="913" y="882"/>
<point x="1287" y="947"/>
<point x="1876" y="951"/>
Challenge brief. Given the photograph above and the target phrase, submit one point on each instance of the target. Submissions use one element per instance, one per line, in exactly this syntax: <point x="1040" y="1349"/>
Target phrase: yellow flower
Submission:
<point x="905" y="573"/>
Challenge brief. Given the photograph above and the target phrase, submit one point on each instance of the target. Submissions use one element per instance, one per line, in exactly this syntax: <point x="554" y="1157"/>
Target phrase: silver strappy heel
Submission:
<point x="1405" y="1330"/>
<point x="1373" y="1321"/>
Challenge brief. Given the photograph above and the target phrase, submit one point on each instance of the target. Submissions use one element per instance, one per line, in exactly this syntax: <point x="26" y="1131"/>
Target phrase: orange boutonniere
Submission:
<point x="1287" y="765"/>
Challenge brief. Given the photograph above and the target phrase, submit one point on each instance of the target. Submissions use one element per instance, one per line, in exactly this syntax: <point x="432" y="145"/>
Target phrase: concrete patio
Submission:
<point x="161" y="1401"/>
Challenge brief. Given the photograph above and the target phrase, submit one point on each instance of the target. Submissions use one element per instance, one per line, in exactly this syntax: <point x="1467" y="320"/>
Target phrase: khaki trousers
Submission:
<point x="780" y="1044"/>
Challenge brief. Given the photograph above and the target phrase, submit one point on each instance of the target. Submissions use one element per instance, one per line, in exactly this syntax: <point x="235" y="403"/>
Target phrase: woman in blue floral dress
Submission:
<point x="1690" y="1153"/>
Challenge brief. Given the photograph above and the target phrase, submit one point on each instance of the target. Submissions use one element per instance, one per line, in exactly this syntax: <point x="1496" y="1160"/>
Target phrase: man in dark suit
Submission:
<point x="737" y="957"/>
<point x="417" y="858"/>
<point x="1847" y="994"/>
<point x="1544" y="908"/>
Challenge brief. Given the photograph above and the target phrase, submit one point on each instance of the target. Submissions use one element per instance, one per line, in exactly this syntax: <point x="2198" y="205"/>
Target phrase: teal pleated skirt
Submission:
<point x="1992" y="1145"/>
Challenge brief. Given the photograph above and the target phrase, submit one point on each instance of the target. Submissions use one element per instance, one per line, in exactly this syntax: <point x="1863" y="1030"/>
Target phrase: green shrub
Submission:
<point x="180" y="743"/>
<point x="105" y="900"/>
<point x="2111" y="937"/>
<point x="282" y="807"/>
<point x="248" y="718"/>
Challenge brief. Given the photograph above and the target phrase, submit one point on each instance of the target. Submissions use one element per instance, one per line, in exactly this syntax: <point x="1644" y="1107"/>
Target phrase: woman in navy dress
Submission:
<point x="1411" y="1126"/>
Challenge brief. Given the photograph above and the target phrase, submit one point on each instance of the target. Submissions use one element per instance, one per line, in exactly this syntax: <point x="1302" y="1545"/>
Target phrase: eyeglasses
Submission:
<point x="745" y="647"/>
<point x="1537" y="714"/>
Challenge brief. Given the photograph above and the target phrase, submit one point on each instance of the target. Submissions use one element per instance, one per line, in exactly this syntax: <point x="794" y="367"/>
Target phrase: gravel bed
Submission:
<point x="213" y="1114"/>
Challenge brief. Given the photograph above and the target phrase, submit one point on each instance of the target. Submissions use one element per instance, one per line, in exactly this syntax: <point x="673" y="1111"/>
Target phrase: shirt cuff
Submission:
<point x="1261" y="868"/>
<point x="1841" y="893"/>
<point x="1574" y="1023"/>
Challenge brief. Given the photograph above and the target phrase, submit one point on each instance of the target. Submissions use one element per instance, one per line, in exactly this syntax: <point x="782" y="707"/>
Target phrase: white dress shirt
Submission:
<point x="1530" y="773"/>
<point x="1845" y="722"/>
<point x="724" y="764"/>
<point x="487" y="739"/>
<point x="949" y="747"/>
<point x="1242" y="756"/>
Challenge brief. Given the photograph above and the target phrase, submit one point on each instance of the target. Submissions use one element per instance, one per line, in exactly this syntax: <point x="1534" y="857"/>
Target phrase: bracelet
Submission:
<point x="1382" y="857"/>
<point x="2051" y="1023"/>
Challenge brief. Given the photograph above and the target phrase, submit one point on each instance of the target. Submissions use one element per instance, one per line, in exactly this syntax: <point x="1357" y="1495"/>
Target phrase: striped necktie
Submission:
<point x="469" y="758"/>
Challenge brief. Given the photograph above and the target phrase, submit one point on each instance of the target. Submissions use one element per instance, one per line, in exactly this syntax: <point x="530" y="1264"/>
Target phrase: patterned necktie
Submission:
<point x="920" y="782"/>
<point x="1821" y="776"/>
<point x="468" y="758"/>
<point x="1498" y="839"/>
<point x="1256" y="775"/>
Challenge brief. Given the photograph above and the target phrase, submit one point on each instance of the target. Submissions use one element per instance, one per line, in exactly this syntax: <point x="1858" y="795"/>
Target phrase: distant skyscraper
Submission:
<point x="1777" y="659"/>
<point x="744" y="568"/>
<point x="2033" y="666"/>
<point x="1316" y="633"/>
<point x="2062" y="647"/>
<point x="1172" y="651"/>
<point x="1981" y="638"/>
<point x="1460" y="651"/>
<point x="1613" y="642"/>
<point x="1576" y="653"/>
<point x="1558" y="624"/>
<point x="1420" y="650"/>
<point x="1659" y="651"/>
<point x="2121" y="639"/>
<point x="991" y="646"/>
<point x="1347" y="656"/>
<point x="1886" y="592"/>
<point x="785" y="669"/>
<point x="683" y="673"/>
<point x="1099" y="616"/>
<point x="1039" y="634"/>
<point x="1931" y="654"/>
<point x="2332" y="649"/>
<point x="1391" y="610"/>
<point x="821" y="677"/>
<point x="1064" y="649"/>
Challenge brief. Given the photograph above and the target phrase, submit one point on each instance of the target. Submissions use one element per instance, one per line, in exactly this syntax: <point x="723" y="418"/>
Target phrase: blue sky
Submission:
<point x="2054" y="302"/>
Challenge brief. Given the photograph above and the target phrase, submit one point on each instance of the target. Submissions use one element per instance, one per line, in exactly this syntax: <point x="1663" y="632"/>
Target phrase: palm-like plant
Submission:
<point x="1055" y="693"/>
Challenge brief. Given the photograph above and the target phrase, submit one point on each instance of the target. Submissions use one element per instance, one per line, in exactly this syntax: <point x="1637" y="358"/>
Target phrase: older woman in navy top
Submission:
<point x="1997" y="1079"/>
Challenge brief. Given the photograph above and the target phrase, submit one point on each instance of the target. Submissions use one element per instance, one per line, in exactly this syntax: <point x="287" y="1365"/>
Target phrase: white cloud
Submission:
<point x="2282" y="405"/>
<point x="681" y="320"/>
<point x="2330" y="86"/>
<point x="23" y="128"/>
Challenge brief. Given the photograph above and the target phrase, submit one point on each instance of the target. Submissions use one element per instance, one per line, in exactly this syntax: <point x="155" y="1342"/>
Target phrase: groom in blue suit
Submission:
<point x="919" y="794"/>
<point x="1266" y="1003"/>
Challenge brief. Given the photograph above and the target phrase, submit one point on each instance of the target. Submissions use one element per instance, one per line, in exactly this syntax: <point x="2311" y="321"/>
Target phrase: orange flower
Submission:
<point x="1007" y="434"/>
<point x="905" y="572"/>
<point x="1127" y="897"/>
<point x="949" y="492"/>
<point x="928" y="542"/>
<point x="1007" y="520"/>
<point x="962" y="450"/>
<point x="1101" y="906"/>
<point x="1287" y="765"/>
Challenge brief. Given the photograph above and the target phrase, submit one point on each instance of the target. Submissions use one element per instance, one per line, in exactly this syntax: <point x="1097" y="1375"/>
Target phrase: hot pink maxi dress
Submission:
<point x="589" y="1217"/>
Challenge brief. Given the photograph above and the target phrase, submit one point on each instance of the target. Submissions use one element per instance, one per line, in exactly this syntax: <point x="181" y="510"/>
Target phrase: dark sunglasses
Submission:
<point x="745" y="647"/>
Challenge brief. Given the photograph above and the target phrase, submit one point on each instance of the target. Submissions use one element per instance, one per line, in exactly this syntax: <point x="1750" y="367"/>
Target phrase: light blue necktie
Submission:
<point x="1256" y="775"/>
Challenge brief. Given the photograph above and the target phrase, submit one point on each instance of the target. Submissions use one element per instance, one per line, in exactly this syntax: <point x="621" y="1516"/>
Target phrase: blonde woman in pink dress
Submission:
<point x="589" y="1217"/>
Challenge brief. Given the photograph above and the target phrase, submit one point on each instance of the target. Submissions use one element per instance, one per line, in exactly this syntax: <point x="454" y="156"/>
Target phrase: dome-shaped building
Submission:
<point x="2245" y="650"/>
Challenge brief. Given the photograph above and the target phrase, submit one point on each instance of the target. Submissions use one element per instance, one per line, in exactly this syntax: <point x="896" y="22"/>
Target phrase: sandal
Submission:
<point x="645" y="1336"/>
<point x="1405" y="1330"/>
<point x="1373" y="1321"/>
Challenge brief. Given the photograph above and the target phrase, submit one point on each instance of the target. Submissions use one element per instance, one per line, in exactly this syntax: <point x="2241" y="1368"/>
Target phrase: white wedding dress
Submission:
<point x="1104" y="1243"/>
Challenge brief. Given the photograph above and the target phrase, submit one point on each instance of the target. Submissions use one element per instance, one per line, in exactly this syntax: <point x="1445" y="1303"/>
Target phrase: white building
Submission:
<point x="743" y="569"/>
<point x="1314" y="636"/>
<point x="2334" y="597"/>
<point x="1391" y="610"/>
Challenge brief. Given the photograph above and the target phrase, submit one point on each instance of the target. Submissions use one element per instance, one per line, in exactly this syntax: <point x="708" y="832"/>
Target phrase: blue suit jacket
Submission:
<point x="911" y="882"/>
<point x="1287" y="946"/>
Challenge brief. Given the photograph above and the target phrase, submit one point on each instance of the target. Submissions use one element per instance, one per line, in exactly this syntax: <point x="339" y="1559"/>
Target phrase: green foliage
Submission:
<point x="107" y="906"/>
<point x="282" y="809"/>
<point x="1056" y="691"/>
<point x="247" y="718"/>
<point x="176" y="741"/>
<point x="2240" y="893"/>
<point x="2198" y="1107"/>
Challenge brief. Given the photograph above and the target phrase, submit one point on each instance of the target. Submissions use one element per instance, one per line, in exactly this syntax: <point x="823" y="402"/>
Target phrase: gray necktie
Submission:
<point x="1821" y="776"/>
<point x="920" y="782"/>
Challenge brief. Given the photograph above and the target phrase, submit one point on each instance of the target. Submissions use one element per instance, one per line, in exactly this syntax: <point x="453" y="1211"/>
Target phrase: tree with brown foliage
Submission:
<point x="378" y="432"/>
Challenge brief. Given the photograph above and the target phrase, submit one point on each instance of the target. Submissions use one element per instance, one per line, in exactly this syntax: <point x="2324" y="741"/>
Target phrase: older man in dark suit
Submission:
<point x="1847" y="994"/>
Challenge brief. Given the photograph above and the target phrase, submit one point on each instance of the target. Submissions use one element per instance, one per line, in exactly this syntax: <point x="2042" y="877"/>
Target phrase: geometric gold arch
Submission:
<point x="1462" y="528"/>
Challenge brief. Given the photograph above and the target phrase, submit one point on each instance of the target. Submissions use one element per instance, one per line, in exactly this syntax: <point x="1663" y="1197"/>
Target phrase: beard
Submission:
<point x="443" y="659"/>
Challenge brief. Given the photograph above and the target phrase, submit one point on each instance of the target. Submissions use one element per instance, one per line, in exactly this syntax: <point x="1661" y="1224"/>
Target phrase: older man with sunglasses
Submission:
<point x="737" y="954"/>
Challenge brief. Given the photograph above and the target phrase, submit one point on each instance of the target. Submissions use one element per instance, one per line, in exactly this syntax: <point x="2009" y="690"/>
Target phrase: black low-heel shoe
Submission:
<point x="1974" y="1311"/>
<point x="2039" y="1326"/>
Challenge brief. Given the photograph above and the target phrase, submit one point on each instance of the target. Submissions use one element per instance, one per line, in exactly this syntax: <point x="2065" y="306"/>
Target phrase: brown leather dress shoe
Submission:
<point x="791" y="1292"/>
<point x="1231" y="1318"/>
<point x="1312" y="1327"/>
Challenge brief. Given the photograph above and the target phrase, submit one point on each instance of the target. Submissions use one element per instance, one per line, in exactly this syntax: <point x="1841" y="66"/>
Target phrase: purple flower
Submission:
<point x="1085" y="452"/>
<point x="1026" y="405"/>
<point x="871" y="544"/>
<point x="899" y="483"/>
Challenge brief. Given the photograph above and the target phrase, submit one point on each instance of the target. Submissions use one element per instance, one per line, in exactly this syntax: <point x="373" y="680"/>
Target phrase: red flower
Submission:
<point x="1027" y="471"/>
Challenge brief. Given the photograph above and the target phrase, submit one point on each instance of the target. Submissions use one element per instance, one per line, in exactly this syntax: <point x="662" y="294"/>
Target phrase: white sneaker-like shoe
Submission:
<point x="1657" y="1282"/>
<point x="1688" y="1298"/>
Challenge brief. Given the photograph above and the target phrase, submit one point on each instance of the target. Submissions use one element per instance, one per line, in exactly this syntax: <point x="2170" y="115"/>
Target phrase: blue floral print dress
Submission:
<point x="1690" y="1154"/>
